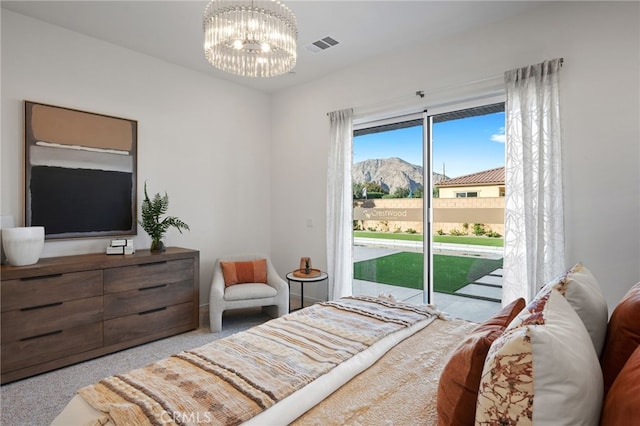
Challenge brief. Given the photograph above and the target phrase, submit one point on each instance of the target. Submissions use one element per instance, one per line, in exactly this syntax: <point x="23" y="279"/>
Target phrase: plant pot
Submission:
<point x="157" y="246"/>
<point x="23" y="245"/>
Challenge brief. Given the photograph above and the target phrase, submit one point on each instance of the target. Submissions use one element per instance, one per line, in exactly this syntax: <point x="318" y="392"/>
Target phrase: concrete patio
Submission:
<point x="487" y="289"/>
<point x="475" y="310"/>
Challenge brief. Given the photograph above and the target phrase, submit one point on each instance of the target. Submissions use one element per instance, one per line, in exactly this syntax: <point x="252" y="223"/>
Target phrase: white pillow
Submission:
<point x="583" y="293"/>
<point x="542" y="370"/>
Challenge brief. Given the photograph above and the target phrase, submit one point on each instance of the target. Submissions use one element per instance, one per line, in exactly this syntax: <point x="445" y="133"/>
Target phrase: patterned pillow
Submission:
<point x="543" y="370"/>
<point x="460" y="378"/>
<point x="583" y="293"/>
<point x="253" y="271"/>
<point x="623" y="336"/>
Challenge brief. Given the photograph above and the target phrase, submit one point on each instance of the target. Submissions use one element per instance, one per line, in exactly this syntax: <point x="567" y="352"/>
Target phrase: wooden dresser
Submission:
<point x="68" y="309"/>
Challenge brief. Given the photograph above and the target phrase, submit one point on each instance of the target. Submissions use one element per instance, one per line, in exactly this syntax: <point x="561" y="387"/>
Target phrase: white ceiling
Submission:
<point x="172" y="30"/>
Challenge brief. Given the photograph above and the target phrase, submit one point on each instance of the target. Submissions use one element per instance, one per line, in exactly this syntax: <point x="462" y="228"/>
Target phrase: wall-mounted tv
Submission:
<point x="80" y="172"/>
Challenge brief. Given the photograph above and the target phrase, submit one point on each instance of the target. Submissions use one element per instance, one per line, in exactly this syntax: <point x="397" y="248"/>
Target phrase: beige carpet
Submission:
<point x="38" y="400"/>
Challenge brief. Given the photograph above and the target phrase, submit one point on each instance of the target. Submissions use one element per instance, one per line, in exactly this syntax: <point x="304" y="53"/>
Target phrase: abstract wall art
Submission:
<point x="80" y="172"/>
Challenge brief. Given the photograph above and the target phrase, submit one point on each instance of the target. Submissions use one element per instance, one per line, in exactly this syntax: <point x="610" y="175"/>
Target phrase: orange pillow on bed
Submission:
<point x="623" y="336"/>
<point x="622" y="403"/>
<point x="460" y="378"/>
<point x="252" y="271"/>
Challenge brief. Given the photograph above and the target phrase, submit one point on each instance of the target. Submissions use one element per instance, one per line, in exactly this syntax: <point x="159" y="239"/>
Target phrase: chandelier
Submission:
<point x="250" y="38"/>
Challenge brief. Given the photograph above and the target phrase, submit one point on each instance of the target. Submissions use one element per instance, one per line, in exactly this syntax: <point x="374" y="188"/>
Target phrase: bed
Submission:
<point x="276" y="372"/>
<point x="374" y="360"/>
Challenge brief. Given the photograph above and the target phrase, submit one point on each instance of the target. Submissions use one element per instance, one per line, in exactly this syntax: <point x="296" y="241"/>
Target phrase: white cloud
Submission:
<point x="500" y="136"/>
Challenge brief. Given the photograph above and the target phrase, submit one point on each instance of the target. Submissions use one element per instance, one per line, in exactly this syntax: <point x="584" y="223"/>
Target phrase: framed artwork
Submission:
<point x="80" y="172"/>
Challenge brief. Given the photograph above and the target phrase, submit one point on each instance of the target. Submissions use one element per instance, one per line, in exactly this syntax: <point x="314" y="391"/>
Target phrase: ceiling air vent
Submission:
<point x="323" y="44"/>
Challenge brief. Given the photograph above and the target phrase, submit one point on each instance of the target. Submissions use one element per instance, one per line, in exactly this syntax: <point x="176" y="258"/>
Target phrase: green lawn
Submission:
<point x="404" y="269"/>
<point x="466" y="239"/>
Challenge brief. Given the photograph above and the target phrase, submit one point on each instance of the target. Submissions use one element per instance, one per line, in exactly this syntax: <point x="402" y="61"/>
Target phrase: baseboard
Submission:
<point x="308" y="301"/>
<point x="203" y="312"/>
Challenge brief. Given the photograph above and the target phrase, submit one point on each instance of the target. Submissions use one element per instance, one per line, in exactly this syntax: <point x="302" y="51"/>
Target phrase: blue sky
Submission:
<point x="465" y="146"/>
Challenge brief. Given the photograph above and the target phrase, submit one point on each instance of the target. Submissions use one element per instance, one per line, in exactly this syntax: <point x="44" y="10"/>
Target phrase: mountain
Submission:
<point x="391" y="173"/>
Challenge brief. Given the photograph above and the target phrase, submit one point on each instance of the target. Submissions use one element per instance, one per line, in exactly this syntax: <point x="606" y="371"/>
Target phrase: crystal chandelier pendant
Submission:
<point x="253" y="39"/>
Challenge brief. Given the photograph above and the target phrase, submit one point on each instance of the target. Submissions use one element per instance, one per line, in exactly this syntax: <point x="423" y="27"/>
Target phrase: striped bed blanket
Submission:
<point x="231" y="380"/>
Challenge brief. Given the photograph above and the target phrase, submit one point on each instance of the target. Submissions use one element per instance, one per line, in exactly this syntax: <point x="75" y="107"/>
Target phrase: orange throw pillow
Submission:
<point x="253" y="271"/>
<point x="622" y="403"/>
<point x="460" y="378"/>
<point x="623" y="336"/>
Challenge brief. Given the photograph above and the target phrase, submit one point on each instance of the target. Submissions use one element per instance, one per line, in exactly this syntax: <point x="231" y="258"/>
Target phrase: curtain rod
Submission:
<point x="428" y="99"/>
<point x="422" y="93"/>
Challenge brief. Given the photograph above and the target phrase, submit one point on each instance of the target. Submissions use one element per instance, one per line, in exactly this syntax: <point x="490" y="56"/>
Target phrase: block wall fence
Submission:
<point x="401" y="214"/>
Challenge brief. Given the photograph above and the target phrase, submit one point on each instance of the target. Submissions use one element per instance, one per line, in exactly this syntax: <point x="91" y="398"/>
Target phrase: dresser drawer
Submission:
<point x="147" y="298"/>
<point x="58" y="344"/>
<point x="147" y="274"/>
<point x="29" y="322"/>
<point x="144" y="323"/>
<point x="42" y="290"/>
<point x="55" y="313"/>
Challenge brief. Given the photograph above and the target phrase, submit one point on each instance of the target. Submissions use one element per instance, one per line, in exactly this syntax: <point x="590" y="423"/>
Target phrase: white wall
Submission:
<point x="202" y="140"/>
<point x="600" y="120"/>
<point x="217" y="173"/>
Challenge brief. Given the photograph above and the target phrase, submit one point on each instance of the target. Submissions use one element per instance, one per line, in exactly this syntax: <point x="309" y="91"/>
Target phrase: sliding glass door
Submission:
<point x="467" y="157"/>
<point x="428" y="206"/>
<point x="388" y="209"/>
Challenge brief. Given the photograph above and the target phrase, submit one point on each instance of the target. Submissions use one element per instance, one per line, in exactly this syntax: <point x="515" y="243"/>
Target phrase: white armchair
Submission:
<point x="274" y="297"/>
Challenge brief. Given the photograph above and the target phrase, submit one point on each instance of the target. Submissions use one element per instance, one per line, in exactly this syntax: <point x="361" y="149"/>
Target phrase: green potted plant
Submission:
<point x="153" y="224"/>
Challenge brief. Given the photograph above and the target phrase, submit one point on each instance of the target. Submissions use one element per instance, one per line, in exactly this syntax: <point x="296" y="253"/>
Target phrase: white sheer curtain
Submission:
<point x="339" y="205"/>
<point x="534" y="216"/>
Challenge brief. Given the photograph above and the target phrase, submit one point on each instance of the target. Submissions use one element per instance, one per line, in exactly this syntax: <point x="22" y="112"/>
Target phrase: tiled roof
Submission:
<point x="487" y="177"/>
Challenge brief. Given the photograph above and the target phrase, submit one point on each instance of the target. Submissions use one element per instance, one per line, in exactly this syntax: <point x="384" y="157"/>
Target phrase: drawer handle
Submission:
<point x="41" y="335"/>
<point x="41" y="277"/>
<point x="152" y="287"/>
<point x="152" y="311"/>
<point x="152" y="264"/>
<point x="48" y="305"/>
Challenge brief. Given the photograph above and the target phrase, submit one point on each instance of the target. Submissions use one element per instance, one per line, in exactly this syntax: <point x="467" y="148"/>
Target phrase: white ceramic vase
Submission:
<point x="23" y="246"/>
<point x="6" y="221"/>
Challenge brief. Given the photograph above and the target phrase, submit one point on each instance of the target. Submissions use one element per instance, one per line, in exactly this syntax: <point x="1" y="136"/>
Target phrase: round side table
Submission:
<point x="298" y="277"/>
